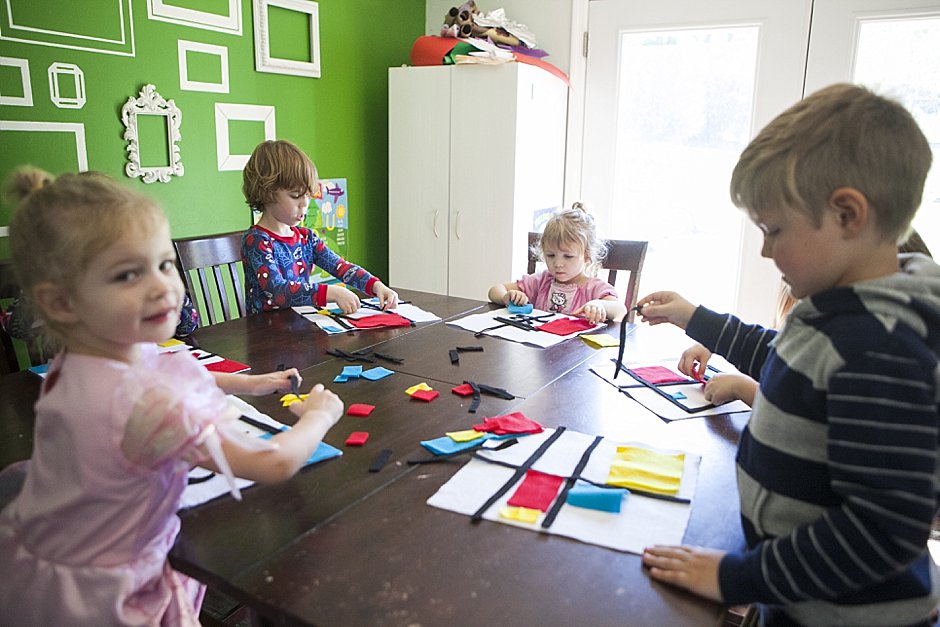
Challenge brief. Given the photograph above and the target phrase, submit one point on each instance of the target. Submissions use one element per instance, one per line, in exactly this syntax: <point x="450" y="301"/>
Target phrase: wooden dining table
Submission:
<point x="340" y="545"/>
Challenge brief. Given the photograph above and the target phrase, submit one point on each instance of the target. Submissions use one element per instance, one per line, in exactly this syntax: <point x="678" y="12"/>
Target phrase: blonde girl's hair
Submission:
<point x="840" y="136"/>
<point x="275" y="165"/>
<point x="61" y="223"/>
<point x="574" y="226"/>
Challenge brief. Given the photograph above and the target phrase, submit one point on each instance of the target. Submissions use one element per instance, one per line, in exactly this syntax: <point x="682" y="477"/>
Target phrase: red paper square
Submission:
<point x="425" y="395"/>
<point x="463" y="390"/>
<point x="657" y="374"/>
<point x="566" y="326"/>
<point x="360" y="409"/>
<point x="379" y="320"/>
<point x="516" y="422"/>
<point x="357" y="438"/>
<point x="537" y="491"/>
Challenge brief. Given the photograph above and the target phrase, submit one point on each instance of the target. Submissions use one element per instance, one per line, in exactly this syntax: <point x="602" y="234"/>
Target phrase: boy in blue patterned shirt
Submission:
<point x="279" y="256"/>
<point x="838" y="465"/>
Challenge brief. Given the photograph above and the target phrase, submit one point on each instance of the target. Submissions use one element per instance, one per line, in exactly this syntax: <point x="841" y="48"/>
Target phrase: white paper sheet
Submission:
<point x="542" y="339"/>
<point x="199" y="493"/>
<point x="641" y="522"/>
<point x="660" y="406"/>
<point x="328" y="324"/>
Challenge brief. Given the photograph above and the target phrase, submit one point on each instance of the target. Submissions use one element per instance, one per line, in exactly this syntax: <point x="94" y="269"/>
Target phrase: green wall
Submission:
<point x="339" y="119"/>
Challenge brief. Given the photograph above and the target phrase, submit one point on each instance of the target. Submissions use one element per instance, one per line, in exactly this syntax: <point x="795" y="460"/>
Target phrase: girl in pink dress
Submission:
<point x="572" y="252"/>
<point x="119" y="425"/>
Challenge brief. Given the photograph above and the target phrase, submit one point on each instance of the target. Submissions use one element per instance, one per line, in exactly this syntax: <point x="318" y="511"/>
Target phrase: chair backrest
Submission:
<point x="622" y="254"/>
<point x="199" y="255"/>
<point x="9" y="362"/>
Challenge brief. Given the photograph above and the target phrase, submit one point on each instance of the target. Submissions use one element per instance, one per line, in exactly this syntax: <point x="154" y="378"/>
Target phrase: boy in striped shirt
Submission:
<point x="838" y="467"/>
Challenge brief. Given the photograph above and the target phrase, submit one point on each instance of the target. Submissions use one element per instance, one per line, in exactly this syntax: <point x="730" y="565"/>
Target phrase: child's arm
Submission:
<point x="317" y="414"/>
<point x="257" y="384"/>
<point x="601" y="310"/>
<point x="505" y="293"/>
<point x="744" y="345"/>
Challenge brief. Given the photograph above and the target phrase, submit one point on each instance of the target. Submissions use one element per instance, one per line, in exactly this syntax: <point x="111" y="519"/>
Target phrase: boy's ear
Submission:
<point x="851" y="210"/>
<point x="55" y="302"/>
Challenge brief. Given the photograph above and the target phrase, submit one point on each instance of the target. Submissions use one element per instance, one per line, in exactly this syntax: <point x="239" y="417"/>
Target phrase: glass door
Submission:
<point x="674" y="91"/>
<point x="893" y="47"/>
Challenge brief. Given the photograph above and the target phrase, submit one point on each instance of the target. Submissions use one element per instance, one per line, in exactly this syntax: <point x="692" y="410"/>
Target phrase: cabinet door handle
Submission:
<point x="437" y="233"/>
<point x="457" y="226"/>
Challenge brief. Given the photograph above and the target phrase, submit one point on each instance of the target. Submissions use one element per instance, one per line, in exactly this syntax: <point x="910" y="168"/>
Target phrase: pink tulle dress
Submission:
<point x="85" y="541"/>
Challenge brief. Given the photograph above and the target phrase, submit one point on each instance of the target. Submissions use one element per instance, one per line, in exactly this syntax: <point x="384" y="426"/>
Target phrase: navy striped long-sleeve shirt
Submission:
<point x="838" y="466"/>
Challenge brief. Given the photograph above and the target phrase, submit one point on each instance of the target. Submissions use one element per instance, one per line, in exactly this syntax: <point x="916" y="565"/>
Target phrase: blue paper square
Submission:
<point x="593" y="497"/>
<point x="374" y="374"/>
<point x="340" y="379"/>
<point x="677" y="395"/>
<point x="520" y="309"/>
<point x="444" y="445"/>
<point x="352" y="372"/>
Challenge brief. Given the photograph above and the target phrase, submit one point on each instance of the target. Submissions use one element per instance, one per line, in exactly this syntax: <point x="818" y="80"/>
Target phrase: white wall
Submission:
<point x="549" y="20"/>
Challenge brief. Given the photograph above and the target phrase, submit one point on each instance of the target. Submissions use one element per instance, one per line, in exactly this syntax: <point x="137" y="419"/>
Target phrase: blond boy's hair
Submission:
<point x="840" y="136"/>
<point x="275" y="165"/>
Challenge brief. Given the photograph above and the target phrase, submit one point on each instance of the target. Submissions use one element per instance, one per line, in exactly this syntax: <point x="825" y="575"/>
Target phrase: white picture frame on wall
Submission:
<point x="26" y="100"/>
<point x="152" y="103"/>
<point x="224" y="113"/>
<point x="231" y="22"/>
<point x="76" y="129"/>
<point x="70" y="72"/>
<point x="264" y="62"/>
<point x="221" y="52"/>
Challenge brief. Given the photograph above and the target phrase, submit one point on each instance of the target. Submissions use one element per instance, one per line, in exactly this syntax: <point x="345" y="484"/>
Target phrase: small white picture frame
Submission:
<point x="264" y="62"/>
<point x="221" y="52"/>
<point x="152" y="103"/>
<point x="58" y="70"/>
<point x="26" y="100"/>
<point x="229" y="23"/>
<point x="76" y="129"/>
<point x="251" y="113"/>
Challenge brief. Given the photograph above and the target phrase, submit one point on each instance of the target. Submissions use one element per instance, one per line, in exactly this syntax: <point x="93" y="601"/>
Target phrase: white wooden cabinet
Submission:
<point x="476" y="155"/>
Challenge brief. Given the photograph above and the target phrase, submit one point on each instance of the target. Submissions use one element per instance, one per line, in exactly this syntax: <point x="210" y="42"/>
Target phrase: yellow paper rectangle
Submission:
<point x="601" y="340"/>
<point x="171" y="342"/>
<point x="415" y="388"/>
<point x="644" y="469"/>
<point x="522" y="514"/>
<point x="464" y="436"/>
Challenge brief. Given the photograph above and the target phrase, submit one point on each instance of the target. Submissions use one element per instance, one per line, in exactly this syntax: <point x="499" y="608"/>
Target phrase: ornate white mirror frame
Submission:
<point x="152" y="103"/>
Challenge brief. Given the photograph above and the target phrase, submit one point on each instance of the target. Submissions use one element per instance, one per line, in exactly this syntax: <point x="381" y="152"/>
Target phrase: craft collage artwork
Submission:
<point x="620" y="495"/>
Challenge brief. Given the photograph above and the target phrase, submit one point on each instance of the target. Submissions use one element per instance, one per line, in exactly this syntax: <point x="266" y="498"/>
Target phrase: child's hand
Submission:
<point x="516" y="297"/>
<point x="689" y="567"/>
<point x="693" y="361"/>
<point x="660" y="307"/>
<point x="277" y="382"/>
<point x="345" y="299"/>
<point x="727" y="387"/>
<point x="593" y="311"/>
<point x="321" y="401"/>
<point x="388" y="298"/>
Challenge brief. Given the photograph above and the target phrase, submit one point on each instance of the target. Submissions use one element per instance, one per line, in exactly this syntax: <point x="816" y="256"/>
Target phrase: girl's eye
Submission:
<point x="167" y="265"/>
<point x="126" y="276"/>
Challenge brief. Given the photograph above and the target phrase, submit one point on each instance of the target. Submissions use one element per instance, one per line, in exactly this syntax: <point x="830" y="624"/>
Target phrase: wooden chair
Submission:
<point x="9" y="362"/>
<point x="627" y="255"/>
<point x="206" y="253"/>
